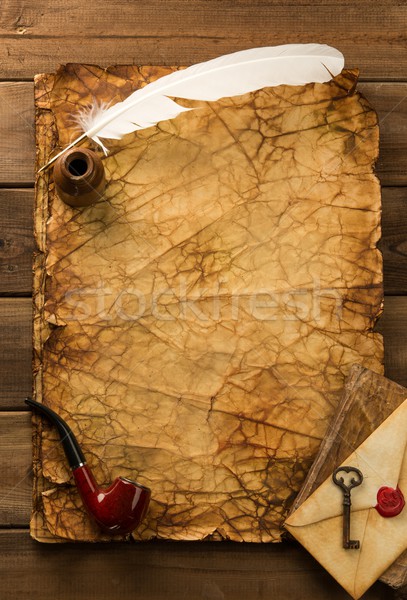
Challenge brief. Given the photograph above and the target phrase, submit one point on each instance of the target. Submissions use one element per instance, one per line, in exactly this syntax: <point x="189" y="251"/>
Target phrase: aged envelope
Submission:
<point x="317" y="523"/>
<point x="195" y="326"/>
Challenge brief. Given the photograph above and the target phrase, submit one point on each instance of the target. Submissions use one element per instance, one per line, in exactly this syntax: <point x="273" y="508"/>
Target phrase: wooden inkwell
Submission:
<point x="79" y="177"/>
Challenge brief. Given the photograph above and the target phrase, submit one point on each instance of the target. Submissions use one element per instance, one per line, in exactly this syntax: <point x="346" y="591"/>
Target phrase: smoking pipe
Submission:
<point x="117" y="509"/>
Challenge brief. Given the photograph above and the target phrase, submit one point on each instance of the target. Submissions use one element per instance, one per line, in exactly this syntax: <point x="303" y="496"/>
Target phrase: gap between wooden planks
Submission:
<point x="17" y="147"/>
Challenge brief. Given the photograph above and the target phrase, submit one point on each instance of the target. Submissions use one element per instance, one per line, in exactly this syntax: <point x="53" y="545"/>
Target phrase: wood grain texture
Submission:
<point x="16" y="241"/>
<point x="393" y="244"/>
<point x="36" y="38"/>
<point x="15" y="351"/>
<point x="165" y="571"/>
<point x="16" y="133"/>
<point x="17" y="139"/>
<point x="393" y="326"/>
<point x="16" y="482"/>
<point x="390" y="102"/>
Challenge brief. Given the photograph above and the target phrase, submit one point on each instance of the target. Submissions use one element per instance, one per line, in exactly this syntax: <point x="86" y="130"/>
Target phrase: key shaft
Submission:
<point x="347" y="543"/>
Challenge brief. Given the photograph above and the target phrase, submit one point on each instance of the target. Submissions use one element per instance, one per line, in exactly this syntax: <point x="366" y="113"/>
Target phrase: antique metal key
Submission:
<point x="346" y="489"/>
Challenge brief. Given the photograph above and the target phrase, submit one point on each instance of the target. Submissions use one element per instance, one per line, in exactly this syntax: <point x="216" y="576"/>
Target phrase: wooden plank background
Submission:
<point x="35" y="36"/>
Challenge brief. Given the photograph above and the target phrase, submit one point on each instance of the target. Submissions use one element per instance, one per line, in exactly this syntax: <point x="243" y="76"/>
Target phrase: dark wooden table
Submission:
<point x="37" y="35"/>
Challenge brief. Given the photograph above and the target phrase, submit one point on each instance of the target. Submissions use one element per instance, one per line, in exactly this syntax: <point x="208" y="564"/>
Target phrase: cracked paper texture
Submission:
<point x="195" y="326"/>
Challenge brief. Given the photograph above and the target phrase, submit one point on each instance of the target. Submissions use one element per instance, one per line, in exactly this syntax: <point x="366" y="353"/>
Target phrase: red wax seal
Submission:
<point x="390" y="502"/>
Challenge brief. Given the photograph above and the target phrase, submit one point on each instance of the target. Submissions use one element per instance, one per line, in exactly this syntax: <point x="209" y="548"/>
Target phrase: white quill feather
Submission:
<point x="225" y="76"/>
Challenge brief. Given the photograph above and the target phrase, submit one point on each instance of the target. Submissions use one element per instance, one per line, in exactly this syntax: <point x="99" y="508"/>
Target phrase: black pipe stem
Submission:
<point x="70" y="444"/>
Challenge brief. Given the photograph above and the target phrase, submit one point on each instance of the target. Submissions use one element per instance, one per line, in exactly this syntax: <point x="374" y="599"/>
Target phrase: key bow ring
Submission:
<point x="340" y="481"/>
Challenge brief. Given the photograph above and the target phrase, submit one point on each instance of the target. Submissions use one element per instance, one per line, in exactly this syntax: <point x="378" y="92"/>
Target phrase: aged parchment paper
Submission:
<point x="195" y="326"/>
